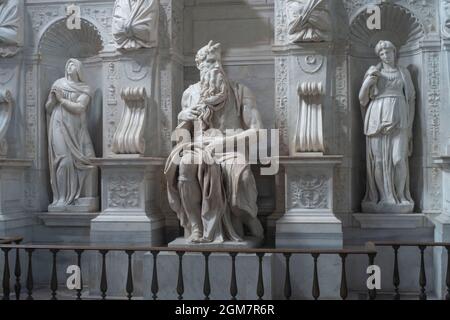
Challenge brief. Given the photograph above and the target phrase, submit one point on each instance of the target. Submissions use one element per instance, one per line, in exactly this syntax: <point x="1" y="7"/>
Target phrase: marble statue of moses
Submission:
<point x="213" y="193"/>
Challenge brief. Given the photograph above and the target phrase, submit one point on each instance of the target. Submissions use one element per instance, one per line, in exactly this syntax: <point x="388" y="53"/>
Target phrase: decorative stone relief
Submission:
<point x="112" y="99"/>
<point x="309" y="192"/>
<point x="31" y="112"/>
<point x="11" y="27"/>
<point x="342" y="107"/>
<point x="433" y="101"/>
<point x="124" y="192"/>
<point x="281" y="94"/>
<point x="129" y="137"/>
<point x="6" y="110"/>
<point x="311" y="63"/>
<point x="280" y="21"/>
<point x="166" y="111"/>
<point x="308" y="20"/>
<point x="135" y="24"/>
<point x="42" y="15"/>
<point x="309" y="126"/>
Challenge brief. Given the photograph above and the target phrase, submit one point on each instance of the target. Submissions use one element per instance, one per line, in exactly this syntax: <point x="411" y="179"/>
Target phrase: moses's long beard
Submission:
<point x="213" y="95"/>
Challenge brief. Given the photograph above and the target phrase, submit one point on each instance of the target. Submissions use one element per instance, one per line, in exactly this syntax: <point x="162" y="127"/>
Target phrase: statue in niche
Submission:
<point x="308" y="21"/>
<point x="11" y="27"/>
<point x="135" y="24"/>
<point x="6" y="109"/>
<point x="213" y="193"/>
<point x="388" y="100"/>
<point x="72" y="176"/>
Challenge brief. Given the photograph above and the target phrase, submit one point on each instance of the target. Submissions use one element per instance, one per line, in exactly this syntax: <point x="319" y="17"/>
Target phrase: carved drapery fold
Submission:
<point x="309" y="126"/>
<point x="129" y="137"/>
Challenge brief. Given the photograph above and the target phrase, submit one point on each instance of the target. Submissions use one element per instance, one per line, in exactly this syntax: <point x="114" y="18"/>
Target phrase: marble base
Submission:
<point x="440" y="259"/>
<point x="309" y="221"/>
<point x="67" y="219"/>
<point x="88" y="205"/>
<point x="392" y="221"/>
<point x="247" y="243"/>
<point x="309" y="232"/>
<point x="130" y="205"/>
<point x="128" y="230"/>
<point x="386" y="208"/>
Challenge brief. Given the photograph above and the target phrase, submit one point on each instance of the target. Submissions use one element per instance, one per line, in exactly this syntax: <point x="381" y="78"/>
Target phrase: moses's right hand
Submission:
<point x="189" y="115"/>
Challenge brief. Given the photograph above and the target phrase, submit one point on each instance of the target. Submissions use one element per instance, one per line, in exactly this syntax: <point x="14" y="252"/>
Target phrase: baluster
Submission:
<point x="233" y="284"/>
<point x="206" y="284"/>
<point x="80" y="290"/>
<point x="344" y="288"/>
<point x="6" y="274"/>
<point x="447" y="297"/>
<point x="54" y="280"/>
<point x="155" y="286"/>
<point x="17" y="274"/>
<point x="396" y="279"/>
<point x="423" y="276"/>
<point x="104" y="278"/>
<point x="287" y="282"/>
<point x="373" y="292"/>
<point x="180" y="284"/>
<point x="130" y="285"/>
<point x="260" y="288"/>
<point x="30" y="274"/>
<point x="316" y="287"/>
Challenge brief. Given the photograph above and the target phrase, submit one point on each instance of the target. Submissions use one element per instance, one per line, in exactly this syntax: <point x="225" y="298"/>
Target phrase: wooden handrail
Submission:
<point x="187" y="250"/>
<point x="10" y="240"/>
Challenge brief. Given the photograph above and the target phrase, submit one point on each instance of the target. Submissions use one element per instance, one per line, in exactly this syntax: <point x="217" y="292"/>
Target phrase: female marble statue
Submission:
<point x="308" y="20"/>
<point x="135" y="23"/>
<point x="388" y="101"/>
<point x="70" y="146"/>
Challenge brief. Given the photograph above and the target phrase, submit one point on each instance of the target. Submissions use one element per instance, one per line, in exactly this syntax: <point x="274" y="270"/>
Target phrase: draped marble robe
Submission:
<point x="11" y="37"/>
<point x="135" y="24"/>
<point x="69" y="143"/>
<point x="228" y="186"/>
<point x="308" y="20"/>
<point x="388" y="119"/>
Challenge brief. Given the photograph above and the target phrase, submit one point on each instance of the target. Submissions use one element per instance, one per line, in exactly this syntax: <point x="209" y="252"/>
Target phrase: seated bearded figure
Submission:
<point x="213" y="191"/>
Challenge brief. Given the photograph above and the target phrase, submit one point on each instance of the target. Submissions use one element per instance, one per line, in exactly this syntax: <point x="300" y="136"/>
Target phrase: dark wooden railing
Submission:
<point x="7" y="246"/>
<point x="421" y="250"/>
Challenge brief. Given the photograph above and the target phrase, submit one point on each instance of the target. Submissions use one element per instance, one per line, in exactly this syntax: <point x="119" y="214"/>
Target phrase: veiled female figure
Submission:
<point x="388" y="101"/>
<point x="70" y="147"/>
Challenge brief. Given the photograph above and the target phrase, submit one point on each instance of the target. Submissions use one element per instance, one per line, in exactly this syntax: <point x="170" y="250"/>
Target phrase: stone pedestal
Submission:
<point x="130" y="209"/>
<point x="13" y="217"/>
<point x="442" y="229"/>
<point x="309" y="221"/>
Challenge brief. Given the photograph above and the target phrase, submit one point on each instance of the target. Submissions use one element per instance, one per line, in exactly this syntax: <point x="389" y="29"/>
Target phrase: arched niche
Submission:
<point x="400" y="26"/>
<point x="59" y="41"/>
<point x="58" y="44"/>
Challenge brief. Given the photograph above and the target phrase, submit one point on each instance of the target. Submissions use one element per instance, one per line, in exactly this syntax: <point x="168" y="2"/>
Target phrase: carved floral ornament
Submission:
<point x="309" y="192"/>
